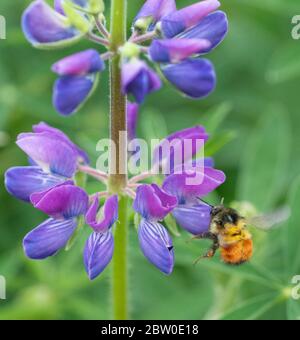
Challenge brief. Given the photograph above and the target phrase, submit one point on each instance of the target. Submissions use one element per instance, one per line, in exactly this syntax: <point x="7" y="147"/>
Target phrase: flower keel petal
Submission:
<point x="98" y="253"/>
<point x="48" y="238"/>
<point x="156" y="244"/>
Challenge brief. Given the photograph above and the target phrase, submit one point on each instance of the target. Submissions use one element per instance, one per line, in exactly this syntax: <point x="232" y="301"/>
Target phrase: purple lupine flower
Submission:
<point x="99" y="247"/>
<point x="104" y="219"/>
<point x="194" y="218"/>
<point x="43" y="127"/>
<point x="55" y="160"/>
<point x="180" y="37"/>
<point x="191" y="213"/>
<point x="177" y="22"/>
<point x="176" y="50"/>
<point x="64" y="204"/>
<point x="152" y="11"/>
<point x="174" y="145"/>
<point x="79" y="75"/>
<point x="196" y="78"/>
<point x="213" y="28"/>
<point x="154" y="204"/>
<point x="138" y="79"/>
<point x="46" y="28"/>
<point x="188" y="32"/>
<point x="98" y="253"/>
<point x="79" y="64"/>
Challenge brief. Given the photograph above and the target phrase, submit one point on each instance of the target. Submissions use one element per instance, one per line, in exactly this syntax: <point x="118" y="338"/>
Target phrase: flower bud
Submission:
<point x="96" y="6"/>
<point x="130" y="50"/>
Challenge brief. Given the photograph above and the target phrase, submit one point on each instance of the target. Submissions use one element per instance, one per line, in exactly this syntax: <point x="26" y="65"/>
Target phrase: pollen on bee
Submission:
<point x="237" y="253"/>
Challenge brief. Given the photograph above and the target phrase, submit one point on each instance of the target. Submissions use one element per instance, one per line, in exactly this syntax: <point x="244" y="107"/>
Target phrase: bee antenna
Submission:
<point x="200" y="199"/>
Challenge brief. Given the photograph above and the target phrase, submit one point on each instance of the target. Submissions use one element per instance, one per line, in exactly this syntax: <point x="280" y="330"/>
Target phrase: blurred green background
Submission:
<point x="254" y="120"/>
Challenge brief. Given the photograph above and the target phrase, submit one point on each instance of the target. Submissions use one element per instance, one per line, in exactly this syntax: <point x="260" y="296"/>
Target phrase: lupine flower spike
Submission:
<point x="178" y="39"/>
<point x="165" y="39"/>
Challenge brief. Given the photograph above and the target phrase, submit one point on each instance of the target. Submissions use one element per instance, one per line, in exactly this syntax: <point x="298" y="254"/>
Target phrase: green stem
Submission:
<point x="120" y="270"/>
<point x="118" y="121"/>
<point x="118" y="164"/>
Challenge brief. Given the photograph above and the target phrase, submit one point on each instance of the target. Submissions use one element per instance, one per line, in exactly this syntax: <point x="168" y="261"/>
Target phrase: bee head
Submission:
<point x="223" y="216"/>
<point x="217" y="210"/>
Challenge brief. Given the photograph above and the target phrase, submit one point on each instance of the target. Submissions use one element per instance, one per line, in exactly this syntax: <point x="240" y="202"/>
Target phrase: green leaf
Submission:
<point x="153" y="125"/>
<point x="217" y="142"/>
<point x="264" y="162"/>
<point x="292" y="231"/>
<point x="172" y="297"/>
<point x="251" y="309"/>
<point x="273" y="6"/>
<point x="285" y="64"/>
<point x="293" y="309"/>
<point x="216" y="116"/>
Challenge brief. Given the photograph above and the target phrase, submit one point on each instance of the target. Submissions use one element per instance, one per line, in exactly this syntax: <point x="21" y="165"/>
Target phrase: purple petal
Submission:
<point x="193" y="218"/>
<point x="174" y="148"/>
<point x="156" y="9"/>
<point x="156" y="245"/>
<point x="44" y="27"/>
<point x="43" y="127"/>
<point x="108" y="216"/>
<point x="58" y="7"/>
<point x="213" y="28"/>
<point x="132" y="119"/>
<point x="81" y="63"/>
<point x="71" y="92"/>
<point x="209" y="162"/>
<point x="50" y="153"/>
<point x="48" y="238"/>
<point x="178" y="21"/>
<point x="189" y="186"/>
<point x="153" y="203"/>
<point x="194" y="165"/>
<point x="194" y="77"/>
<point x="22" y="182"/>
<point x="98" y="253"/>
<point x="139" y="80"/>
<point x="176" y="50"/>
<point x="64" y="201"/>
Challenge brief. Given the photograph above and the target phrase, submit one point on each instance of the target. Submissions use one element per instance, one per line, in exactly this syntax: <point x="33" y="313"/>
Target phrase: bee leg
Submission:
<point x="211" y="252"/>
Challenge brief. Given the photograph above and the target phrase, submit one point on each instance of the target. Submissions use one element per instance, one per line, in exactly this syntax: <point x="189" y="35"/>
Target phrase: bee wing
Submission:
<point x="271" y="220"/>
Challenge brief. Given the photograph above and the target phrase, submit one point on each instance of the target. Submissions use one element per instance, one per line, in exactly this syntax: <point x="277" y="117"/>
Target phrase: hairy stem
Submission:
<point x="118" y="121"/>
<point x="120" y="270"/>
<point x="118" y="163"/>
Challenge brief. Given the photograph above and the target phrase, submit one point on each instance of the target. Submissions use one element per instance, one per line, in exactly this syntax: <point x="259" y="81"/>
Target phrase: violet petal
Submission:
<point x="22" y="182"/>
<point x="98" y="253"/>
<point x="156" y="245"/>
<point x="48" y="238"/>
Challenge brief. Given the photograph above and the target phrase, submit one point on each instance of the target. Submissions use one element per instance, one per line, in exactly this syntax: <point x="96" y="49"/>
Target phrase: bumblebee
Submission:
<point x="229" y="232"/>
